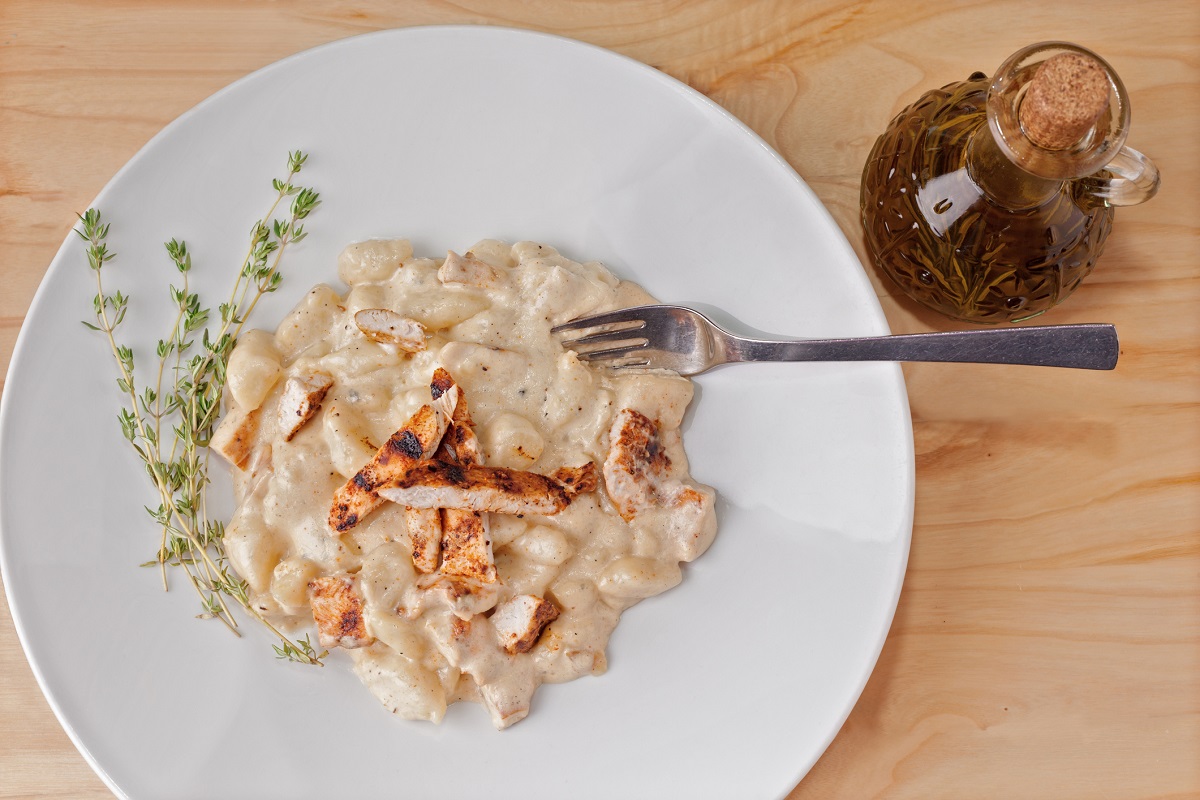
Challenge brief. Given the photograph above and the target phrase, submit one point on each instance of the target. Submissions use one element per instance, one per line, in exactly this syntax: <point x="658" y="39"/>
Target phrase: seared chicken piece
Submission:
<point x="466" y="542"/>
<point x="441" y="382"/>
<point x="636" y="463"/>
<point x="425" y="532"/>
<point x="470" y="550"/>
<point x="460" y="443"/>
<point x="337" y="609"/>
<point x="636" y="475"/>
<point x="302" y="396"/>
<point x="469" y="271"/>
<point x="519" y="621"/>
<point x="415" y="441"/>
<point x="436" y="484"/>
<point x="234" y="437"/>
<point x="467" y="546"/>
<point x="445" y="393"/>
<point x="387" y="327"/>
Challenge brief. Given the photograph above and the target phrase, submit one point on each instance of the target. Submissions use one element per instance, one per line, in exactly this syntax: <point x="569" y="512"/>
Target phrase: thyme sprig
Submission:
<point x="301" y="650"/>
<point x="170" y="418"/>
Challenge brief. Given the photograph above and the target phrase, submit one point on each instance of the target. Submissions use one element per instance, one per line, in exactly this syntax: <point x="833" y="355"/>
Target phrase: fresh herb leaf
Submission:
<point x="184" y="398"/>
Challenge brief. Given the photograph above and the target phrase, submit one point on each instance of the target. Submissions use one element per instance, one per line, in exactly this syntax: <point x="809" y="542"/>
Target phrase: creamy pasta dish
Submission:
<point x="424" y="473"/>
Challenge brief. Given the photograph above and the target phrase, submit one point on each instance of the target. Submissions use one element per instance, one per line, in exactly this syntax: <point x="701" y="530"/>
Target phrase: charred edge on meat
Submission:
<point x="441" y="383"/>
<point x="406" y="444"/>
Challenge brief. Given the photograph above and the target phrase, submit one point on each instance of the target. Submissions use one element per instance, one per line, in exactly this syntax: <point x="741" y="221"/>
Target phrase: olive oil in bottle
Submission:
<point x="990" y="200"/>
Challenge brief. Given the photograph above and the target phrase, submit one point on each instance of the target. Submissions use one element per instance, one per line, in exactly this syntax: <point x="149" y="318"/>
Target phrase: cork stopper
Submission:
<point x="1066" y="97"/>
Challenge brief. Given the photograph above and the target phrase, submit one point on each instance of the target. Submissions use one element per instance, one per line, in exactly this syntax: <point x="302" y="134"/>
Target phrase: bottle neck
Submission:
<point x="1004" y="183"/>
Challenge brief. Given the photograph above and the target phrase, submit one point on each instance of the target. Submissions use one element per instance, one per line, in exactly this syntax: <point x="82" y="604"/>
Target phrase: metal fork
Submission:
<point x="684" y="340"/>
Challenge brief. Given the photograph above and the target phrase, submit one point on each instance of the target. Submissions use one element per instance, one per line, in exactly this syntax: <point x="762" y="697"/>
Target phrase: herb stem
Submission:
<point x="189" y="539"/>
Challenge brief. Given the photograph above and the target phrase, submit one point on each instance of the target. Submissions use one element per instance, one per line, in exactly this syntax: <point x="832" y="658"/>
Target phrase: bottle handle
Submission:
<point x="1130" y="178"/>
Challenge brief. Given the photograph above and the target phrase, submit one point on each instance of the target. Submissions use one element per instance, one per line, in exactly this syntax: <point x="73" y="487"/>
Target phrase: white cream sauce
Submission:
<point x="535" y="406"/>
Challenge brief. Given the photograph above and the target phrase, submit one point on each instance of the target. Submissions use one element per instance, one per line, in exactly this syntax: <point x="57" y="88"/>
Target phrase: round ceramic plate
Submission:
<point x="730" y="685"/>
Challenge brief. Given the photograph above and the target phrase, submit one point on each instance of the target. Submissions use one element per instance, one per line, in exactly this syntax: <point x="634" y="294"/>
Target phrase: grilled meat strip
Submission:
<point x="437" y="484"/>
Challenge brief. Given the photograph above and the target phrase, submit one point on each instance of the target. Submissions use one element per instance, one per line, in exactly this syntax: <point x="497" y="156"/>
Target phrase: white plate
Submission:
<point x="729" y="686"/>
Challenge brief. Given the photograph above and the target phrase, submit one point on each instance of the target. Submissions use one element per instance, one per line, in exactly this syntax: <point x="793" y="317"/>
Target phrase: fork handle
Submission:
<point x="1088" y="346"/>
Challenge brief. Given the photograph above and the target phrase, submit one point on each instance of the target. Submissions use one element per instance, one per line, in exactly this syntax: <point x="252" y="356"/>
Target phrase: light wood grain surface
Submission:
<point x="1047" y="643"/>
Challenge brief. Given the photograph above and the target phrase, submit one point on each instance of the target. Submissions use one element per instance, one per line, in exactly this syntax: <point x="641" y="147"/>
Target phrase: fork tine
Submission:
<point x="644" y="362"/>
<point x="619" y="335"/>
<point x="624" y="315"/>
<point x="611" y="353"/>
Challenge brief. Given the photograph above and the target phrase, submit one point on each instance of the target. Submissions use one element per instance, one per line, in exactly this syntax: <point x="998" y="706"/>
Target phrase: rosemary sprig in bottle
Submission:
<point x="169" y="420"/>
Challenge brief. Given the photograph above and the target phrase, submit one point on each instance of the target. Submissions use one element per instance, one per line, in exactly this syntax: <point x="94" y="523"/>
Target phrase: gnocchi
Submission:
<point x="331" y="388"/>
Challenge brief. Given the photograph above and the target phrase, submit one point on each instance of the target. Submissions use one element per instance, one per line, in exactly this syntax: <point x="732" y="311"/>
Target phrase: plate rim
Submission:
<point x="875" y="311"/>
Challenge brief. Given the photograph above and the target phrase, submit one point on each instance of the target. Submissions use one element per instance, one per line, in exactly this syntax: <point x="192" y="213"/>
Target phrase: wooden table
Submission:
<point x="1047" y="643"/>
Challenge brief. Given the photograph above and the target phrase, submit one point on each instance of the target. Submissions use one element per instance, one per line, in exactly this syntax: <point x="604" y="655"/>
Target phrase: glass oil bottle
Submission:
<point x="990" y="200"/>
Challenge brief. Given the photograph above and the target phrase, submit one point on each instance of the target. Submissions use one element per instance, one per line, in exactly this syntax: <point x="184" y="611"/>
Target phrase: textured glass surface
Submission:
<point x="974" y="255"/>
